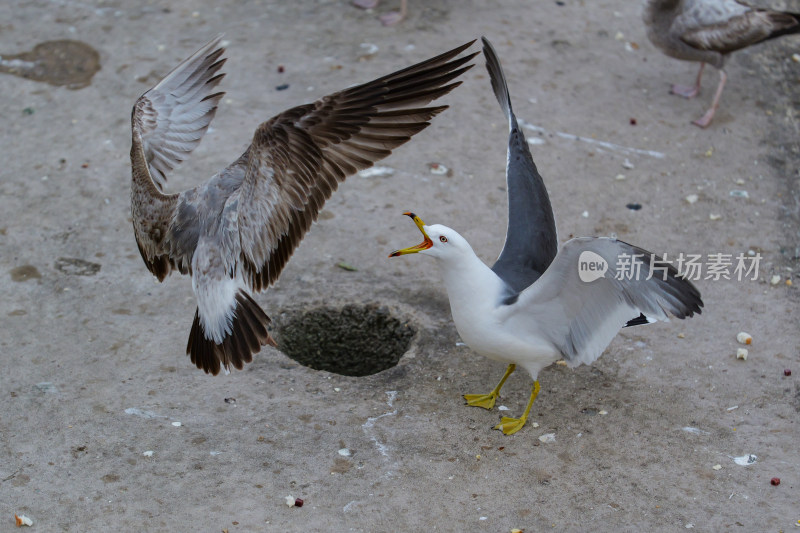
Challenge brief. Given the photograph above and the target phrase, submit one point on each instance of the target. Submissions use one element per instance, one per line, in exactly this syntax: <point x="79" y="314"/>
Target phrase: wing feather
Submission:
<point x="167" y="123"/>
<point x="298" y="158"/>
<point x="582" y="317"/>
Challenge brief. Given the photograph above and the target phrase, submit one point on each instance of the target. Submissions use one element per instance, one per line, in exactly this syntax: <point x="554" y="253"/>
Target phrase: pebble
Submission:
<point x="148" y="453"/>
<point x="585" y="214"/>
<point x="619" y="177"/>
<point x="376" y="172"/>
<point x="548" y="437"/>
<point x="714" y="216"/>
<point x="796" y="58"/>
<point x="745" y="460"/>
<point x="744" y="338"/>
<point x="692" y="198"/>
<point x="717" y="467"/>
<point x="774" y="280"/>
<point x="741" y="353"/>
<point x="626" y="164"/>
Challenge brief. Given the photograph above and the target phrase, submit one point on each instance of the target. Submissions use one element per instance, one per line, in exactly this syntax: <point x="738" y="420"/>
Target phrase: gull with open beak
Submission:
<point x="539" y="303"/>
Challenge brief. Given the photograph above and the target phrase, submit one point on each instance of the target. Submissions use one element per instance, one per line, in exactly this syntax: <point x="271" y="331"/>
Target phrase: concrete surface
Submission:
<point x="92" y="347"/>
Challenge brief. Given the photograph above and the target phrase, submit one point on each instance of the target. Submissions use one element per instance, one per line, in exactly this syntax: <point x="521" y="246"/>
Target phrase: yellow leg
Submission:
<point x="510" y="425"/>
<point x="487" y="400"/>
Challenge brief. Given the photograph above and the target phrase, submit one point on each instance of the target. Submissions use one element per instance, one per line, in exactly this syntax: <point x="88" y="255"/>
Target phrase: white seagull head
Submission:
<point x="440" y="242"/>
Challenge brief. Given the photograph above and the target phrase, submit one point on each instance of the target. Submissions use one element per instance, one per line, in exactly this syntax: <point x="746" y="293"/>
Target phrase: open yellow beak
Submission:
<point x="424" y="245"/>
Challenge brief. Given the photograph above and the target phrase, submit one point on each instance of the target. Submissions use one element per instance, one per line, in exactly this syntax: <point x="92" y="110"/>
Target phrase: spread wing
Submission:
<point x="531" y="240"/>
<point x="582" y="316"/>
<point x="167" y="123"/>
<point x="298" y="158"/>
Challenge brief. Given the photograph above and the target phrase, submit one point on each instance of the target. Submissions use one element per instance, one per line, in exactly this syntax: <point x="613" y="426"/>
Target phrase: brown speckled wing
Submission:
<point x="298" y="158"/>
<point x="167" y="123"/>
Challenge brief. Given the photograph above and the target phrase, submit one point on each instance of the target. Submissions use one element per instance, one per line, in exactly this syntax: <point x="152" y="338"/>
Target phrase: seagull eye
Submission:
<point x="443" y="238"/>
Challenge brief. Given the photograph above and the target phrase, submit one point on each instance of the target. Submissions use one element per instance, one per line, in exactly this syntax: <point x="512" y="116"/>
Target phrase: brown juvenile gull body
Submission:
<point x="707" y="31"/>
<point x="234" y="234"/>
<point x="539" y="303"/>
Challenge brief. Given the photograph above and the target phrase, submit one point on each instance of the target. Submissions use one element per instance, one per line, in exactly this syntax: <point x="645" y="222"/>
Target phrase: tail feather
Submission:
<point x="247" y="335"/>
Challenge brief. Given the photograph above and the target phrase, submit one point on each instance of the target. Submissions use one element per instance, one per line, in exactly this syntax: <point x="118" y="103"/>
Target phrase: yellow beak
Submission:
<point x="424" y="245"/>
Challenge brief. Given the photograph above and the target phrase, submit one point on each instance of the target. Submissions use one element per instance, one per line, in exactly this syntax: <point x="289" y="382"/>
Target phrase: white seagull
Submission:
<point x="707" y="31"/>
<point x="235" y="233"/>
<point x="539" y="304"/>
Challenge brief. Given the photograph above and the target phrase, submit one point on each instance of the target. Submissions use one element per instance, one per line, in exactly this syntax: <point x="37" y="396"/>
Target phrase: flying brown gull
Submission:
<point x="539" y="303"/>
<point x="234" y="234"/>
<point x="707" y="31"/>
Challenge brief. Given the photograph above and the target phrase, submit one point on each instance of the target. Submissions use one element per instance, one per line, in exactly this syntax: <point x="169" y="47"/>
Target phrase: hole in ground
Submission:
<point x="354" y="340"/>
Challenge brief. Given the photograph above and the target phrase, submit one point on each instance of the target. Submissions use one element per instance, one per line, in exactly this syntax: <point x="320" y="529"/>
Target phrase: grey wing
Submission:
<point x="298" y="158"/>
<point x="582" y="317"/>
<point x="531" y="240"/>
<point x="170" y="119"/>
<point x="167" y="123"/>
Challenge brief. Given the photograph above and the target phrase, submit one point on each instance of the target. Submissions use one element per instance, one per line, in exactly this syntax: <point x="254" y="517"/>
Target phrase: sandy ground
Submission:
<point x="92" y="347"/>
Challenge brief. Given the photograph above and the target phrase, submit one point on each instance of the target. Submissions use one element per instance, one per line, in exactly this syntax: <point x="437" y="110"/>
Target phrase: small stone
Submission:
<point x="626" y="164"/>
<point x="796" y="58"/>
<point x="714" y="216"/>
<point x="774" y="280"/>
<point x="585" y="214"/>
<point x="620" y="177"/>
<point x="717" y="467"/>
<point x="692" y="198"/>
<point x="709" y="152"/>
<point x="602" y="412"/>
<point x="681" y="336"/>
<point x="741" y="353"/>
<point x="547" y="437"/>
<point x="290" y="500"/>
<point x="176" y="424"/>
<point x="744" y="338"/>
<point x="775" y="481"/>
<point x="148" y="453"/>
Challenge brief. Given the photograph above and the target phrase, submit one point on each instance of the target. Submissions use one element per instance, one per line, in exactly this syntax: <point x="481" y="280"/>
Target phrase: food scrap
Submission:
<point x="23" y="520"/>
<point x="744" y="337"/>
<point x="741" y="353"/>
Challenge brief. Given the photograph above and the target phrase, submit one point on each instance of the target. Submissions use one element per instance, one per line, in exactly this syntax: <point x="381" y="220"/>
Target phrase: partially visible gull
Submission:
<point x="707" y="31"/>
<point x="538" y="304"/>
<point x="235" y="233"/>
<point x="387" y="19"/>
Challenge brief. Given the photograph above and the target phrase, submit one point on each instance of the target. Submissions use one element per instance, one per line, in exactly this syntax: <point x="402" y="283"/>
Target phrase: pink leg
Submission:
<point x="393" y="17"/>
<point x="705" y="120"/>
<point x="688" y="91"/>
<point x="365" y="4"/>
